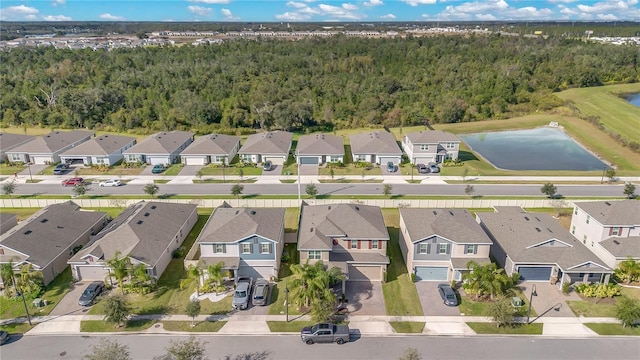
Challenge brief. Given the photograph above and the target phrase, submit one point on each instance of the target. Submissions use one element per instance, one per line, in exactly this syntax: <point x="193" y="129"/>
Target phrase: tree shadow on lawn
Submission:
<point x="466" y="156"/>
<point x="154" y="310"/>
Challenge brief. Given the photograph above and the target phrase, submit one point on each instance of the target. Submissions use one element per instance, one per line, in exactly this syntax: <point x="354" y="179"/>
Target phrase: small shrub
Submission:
<point x="566" y="287"/>
<point x="413" y="277"/>
<point x="598" y="290"/>
<point x="178" y="253"/>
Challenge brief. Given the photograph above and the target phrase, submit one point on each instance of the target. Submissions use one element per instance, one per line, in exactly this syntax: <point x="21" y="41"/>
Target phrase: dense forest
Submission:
<point x="321" y="84"/>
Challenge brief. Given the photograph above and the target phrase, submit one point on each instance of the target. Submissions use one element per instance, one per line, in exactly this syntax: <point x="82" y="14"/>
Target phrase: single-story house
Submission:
<point x="102" y="150"/>
<point x="49" y="238"/>
<point x="9" y="141"/>
<point x="436" y="146"/>
<point x="248" y="241"/>
<point x="160" y="148"/>
<point x="539" y="248"/>
<point x="437" y="244"/>
<point x="46" y="149"/>
<point x="376" y="147"/>
<point x="211" y="149"/>
<point x="147" y="233"/>
<point x="271" y="146"/>
<point x="351" y="237"/>
<point x="610" y="229"/>
<point x="318" y="149"/>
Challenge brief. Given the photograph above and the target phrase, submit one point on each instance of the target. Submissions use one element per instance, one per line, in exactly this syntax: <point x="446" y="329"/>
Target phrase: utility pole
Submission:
<point x="26" y="308"/>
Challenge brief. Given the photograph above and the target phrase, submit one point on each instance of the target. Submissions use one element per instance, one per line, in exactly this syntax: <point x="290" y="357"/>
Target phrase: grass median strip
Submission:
<point x="407" y="327"/>
<point x="614" y="329"/>
<point x="200" y="326"/>
<point x="291" y="326"/>
<point x="103" y="326"/>
<point x="516" y="329"/>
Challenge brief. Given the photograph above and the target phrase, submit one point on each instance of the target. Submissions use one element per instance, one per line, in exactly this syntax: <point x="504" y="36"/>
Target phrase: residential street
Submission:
<point x="283" y="347"/>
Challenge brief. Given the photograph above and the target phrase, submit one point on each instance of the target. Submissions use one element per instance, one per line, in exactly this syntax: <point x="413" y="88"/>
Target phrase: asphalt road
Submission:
<point x="335" y="189"/>
<point x="284" y="347"/>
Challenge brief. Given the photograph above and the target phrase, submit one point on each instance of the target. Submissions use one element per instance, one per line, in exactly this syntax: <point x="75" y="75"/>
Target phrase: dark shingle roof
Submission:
<point x="320" y="144"/>
<point x="457" y="225"/>
<point x="319" y="222"/>
<point x="375" y="142"/>
<point x="228" y="225"/>
<point x="9" y="140"/>
<point x="268" y="143"/>
<point x="103" y="145"/>
<point x="623" y="247"/>
<point x="52" y="142"/>
<point x="613" y="213"/>
<point x="161" y="143"/>
<point x="212" y="144"/>
<point x="431" y="137"/>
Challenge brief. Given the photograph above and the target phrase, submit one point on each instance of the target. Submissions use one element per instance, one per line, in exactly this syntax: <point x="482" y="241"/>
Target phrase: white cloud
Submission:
<point x="228" y="15"/>
<point x="58" y="2"/>
<point x="373" y="3"/>
<point x="485" y="17"/>
<point x="338" y="12"/>
<point x="349" y="7"/>
<point x="107" y="16"/>
<point x="607" y="17"/>
<point x="562" y="1"/>
<point x="388" y="17"/>
<point x="419" y="2"/>
<point x="297" y="5"/>
<point x="210" y="1"/>
<point x="18" y="12"/>
<point x="568" y="11"/>
<point x="492" y="10"/>
<point x="607" y="6"/>
<point x="199" y="10"/>
<point x="293" y="16"/>
<point x="56" y="18"/>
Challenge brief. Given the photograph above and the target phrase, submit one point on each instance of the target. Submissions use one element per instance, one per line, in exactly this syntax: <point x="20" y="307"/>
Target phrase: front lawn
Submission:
<point x="291" y="217"/>
<point x="230" y="171"/>
<point x="470" y="307"/>
<point x="104" y="326"/>
<point x="592" y="309"/>
<point x="349" y="169"/>
<point x="291" y="326"/>
<point x="173" y="170"/>
<point x="400" y="295"/>
<point x="614" y="329"/>
<point x="16" y="328"/>
<point x="10" y="168"/>
<point x="200" y="326"/>
<point x="407" y="327"/>
<point x="278" y="296"/>
<point x="515" y="329"/>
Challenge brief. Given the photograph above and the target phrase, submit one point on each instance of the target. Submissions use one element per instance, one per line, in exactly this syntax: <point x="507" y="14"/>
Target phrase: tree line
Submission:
<point x="314" y="84"/>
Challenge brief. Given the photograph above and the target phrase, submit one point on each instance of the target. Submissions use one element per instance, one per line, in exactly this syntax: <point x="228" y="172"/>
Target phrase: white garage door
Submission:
<point x="256" y="272"/>
<point x="92" y="273"/>
<point x="365" y="273"/>
<point x="153" y="160"/>
<point x="423" y="160"/>
<point x="40" y="159"/>
<point x="194" y="161"/>
<point x="384" y="160"/>
<point x="276" y="160"/>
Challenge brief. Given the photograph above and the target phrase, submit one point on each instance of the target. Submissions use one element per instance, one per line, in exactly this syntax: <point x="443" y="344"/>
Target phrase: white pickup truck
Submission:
<point x="242" y="294"/>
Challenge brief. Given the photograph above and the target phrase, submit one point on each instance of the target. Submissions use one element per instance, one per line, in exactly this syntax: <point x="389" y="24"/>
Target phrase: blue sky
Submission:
<point x="318" y="10"/>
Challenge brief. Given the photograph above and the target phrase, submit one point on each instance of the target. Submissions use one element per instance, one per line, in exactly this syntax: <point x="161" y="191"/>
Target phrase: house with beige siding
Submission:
<point x="437" y="244"/>
<point x="427" y="146"/>
<point x="610" y="229"/>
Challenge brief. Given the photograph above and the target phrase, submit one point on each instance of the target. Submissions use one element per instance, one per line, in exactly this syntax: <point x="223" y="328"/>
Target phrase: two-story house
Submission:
<point x="249" y="241"/>
<point x="351" y="237"/>
<point x="437" y="244"/>
<point x="436" y="146"/>
<point x="610" y="229"/>
<point x="159" y="148"/>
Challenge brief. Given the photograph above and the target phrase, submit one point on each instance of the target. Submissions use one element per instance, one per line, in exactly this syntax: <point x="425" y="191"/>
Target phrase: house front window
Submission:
<point x="265" y="248"/>
<point x="375" y="244"/>
<point x="353" y="244"/>
<point x="246" y="157"/>
<point x="16" y="157"/>
<point x="314" y="255"/>
<point x="218" y="249"/>
<point x="220" y="159"/>
<point x="575" y="211"/>
<point x="615" y="231"/>
<point x="131" y="158"/>
<point x="588" y="218"/>
<point x="450" y="145"/>
<point x="100" y="161"/>
<point x="361" y="158"/>
<point x="334" y="159"/>
<point x="424" y="147"/>
<point x="442" y="249"/>
<point x="422" y="249"/>
<point x="584" y="239"/>
<point x="573" y="230"/>
<point x="246" y="248"/>
<point x="470" y="249"/>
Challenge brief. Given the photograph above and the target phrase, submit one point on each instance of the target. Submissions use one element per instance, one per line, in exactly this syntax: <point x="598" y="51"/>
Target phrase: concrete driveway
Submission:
<point x="276" y="170"/>
<point x="432" y="304"/>
<point x="365" y="298"/>
<point x="308" y="170"/>
<point x="550" y="301"/>
<point x="190" y="170"/>
<point x="68" y="305"/>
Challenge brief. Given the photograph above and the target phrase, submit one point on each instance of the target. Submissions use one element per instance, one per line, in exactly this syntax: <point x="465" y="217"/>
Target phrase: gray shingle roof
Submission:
<point x="358" y="257"/>
<point x="52" y="142"/>
<point x="9" y="140"/>
<point x="319" y="222"/>
<point x="375" y="142"/>
<point x="623" y="247"/>
<point x="518" y="233"/>
<point x="457" y="225"/>
<point x="50" y="231"/>
<point x="613" y="213"/>
<point x="228" y="225"/>
<point x="268" y="143"/>
<point x="212" y="144"/>
<point x="320" y="144"/>
<point x="431" y="137"/>
<point x="161" y="143"/>
<point x="103" y="145"/>
<point x="143" y="232"/>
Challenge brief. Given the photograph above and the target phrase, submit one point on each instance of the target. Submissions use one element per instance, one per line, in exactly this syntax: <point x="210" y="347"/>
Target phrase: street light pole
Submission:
<point x="533" y="293"/>
<point x="30" y="176"/>
<point x="604" y="169"/>
<point x="286" y="300"/>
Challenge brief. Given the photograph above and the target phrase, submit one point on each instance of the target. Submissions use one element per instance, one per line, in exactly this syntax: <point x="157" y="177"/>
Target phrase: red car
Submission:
<point x="73" y="181"/>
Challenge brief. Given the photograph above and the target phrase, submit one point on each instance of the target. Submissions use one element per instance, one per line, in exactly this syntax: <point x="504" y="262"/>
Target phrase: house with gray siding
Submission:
<point x="9" y="141"/>
<point x="211" y="149"/>
<point x="427" y="146"/>
<point x="539" y="248"/>
<point x="376" y="147"/>
<point x="610" y="229"/>
<point x="271" y="146"/>
<point x="437" y="244"/>
<point x="160" y="148"/>
<point x="352" y="237"/>
<point x="50" y="237"/>
<point x="146" y="233"/>
<point x="319" y="149"/>
<point x="46" y="149"/>
<point x="106" y="150"/>
<point x="248" y="241"/>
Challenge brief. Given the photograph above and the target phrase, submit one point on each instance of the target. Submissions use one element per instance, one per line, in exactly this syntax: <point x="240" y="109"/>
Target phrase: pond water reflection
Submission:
<point x="535" y="149"/>
<point x="634" y="99"/>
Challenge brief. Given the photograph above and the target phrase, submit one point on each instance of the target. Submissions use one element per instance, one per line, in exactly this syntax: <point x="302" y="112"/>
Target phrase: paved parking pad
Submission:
<point x="365" y="298"/>
<point x="432" y="304"/>
<point x="68" y="305"/>
<point x="550" y="301"/>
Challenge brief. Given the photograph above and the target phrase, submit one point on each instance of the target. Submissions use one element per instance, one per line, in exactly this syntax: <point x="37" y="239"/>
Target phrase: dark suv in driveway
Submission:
<point x="422" y="168"/>
<point x="60" y="169"/>
<point x="90" y="294"/>
<point x="391" y="167"/>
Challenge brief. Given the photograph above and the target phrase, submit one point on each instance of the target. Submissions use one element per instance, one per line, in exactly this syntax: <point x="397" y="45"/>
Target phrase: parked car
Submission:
<point x="422" y="168"/>
<point x="433" y="167"/>
<point x="4" y="337"/>
<point x="60" y="169"/>
<point x="448" y="295"/>
<point x="157" y="169"/>
<point x="391" y="167"/>
<point x="110" y="182"/>
<point x="90" y="294"/>
<point x="260" y="293"/>
<point x="241" y="295"/>
<point x="325" y="332"/>
<point x="267" y="166"/>
<point x="75" y="181"/>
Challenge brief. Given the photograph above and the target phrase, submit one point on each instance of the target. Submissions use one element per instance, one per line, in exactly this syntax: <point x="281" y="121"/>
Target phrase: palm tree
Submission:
<point x="194" y="273"/>
<point x="28" y="281"/>
<point x="628" y="270"/>
<point x="216" y="274"/>
<point x="140" y="275"/>
<point x="119" y="267"/>
<point x="312" y="282"/>
<point x="488" y="280"/>
<point x="6" y="273"/>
